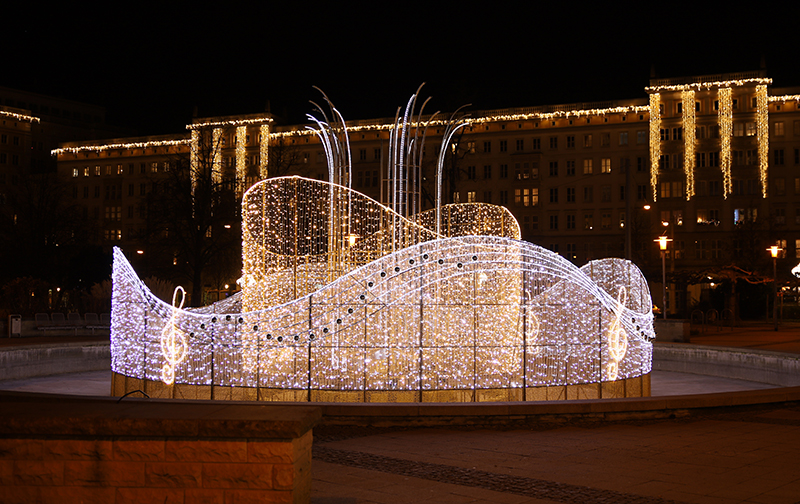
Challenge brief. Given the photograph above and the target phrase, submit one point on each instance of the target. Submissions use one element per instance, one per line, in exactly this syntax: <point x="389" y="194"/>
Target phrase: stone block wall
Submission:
<point x="95" y="461"/>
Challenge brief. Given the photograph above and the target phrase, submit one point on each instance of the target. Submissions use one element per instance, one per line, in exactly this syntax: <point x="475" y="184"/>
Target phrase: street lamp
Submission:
<point x="773" y="251"/>
<point x="662" y="245"/>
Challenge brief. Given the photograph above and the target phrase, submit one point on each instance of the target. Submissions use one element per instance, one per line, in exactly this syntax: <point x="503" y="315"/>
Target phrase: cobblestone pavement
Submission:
<point x="751" y="457"/>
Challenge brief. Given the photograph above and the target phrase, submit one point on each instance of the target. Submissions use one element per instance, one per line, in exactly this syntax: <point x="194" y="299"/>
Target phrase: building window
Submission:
<point x="588" y="194"/>
<point x="622" y="219"/>
<point x="362" y="154"/>
<point x="470" y="196"/>
<point x="504" y="197"/>
<point x="571" y="168"/>
<point x="779" y="129"/>
<point x="471" y="172"/>
<point x="554" y="222"/>
<point x="503" y="145"/>
<point x="623" y="138"/>
<point x="503" y="171"/>
<point x="605" y="220"/>
<point x="587" y="166"/>
<point x="537" y="144"/>
<point x="641" y="137"/>
<point x="554" y="142"/>
<point x="554" y="168"/>
<point x="588" y="221"/>
<point x="587" y="141"/>
<point x="487" y="171"/>
<point x="487" y="196"/>
<point x="780" y="216"/>
<point x="570" y="195"/>
<point x="605" y="194"/>
<point x="570" y="221"/>
<point x="487" y="147"/>
<point x="622" y="193"/>
<point x="75" y="172"/>
<point x="554" y="195"/>
<point x="605" y="139"/>
<point x="778" y="157"/>
<point x="780" y="187"/>
<point x="605" y="165"/>
<point x="570" y="141"/>
<point x="520" y="144"/>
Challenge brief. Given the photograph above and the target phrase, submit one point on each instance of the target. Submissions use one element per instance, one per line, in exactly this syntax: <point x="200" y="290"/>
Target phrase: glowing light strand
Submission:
<point x="19" y="117"/>
<point x="655" y="141"/>
<point x="263" y="158"/>
<point x="689" y="140"/>
<point x="762" y="134"/>
<point x="725" y="119"/>
<point x="241" y="160"/>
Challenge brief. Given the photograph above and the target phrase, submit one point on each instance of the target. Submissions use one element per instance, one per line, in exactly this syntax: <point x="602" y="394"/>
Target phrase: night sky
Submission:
<point x="151" y="67"/>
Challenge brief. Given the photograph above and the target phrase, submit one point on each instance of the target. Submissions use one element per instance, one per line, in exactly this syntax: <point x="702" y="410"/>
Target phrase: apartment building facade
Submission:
<point x="713" y="162"/>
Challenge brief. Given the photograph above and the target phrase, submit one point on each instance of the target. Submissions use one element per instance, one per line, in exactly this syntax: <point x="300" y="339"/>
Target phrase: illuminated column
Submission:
<point x="216" y="153"/>
<point x="655" y="141"/>
<point x="241" y="160"/>
<point x="689" y="140"/>
<point x="762" y="122"/>
<point x="263" y="162"/>
<point x="193" y="156"/>
<point x="725" y="117"/>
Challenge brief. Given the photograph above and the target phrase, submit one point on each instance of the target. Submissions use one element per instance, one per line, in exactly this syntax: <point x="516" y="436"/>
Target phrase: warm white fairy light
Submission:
<point x="119" y="146"/>
<point x="762" y="134"/>
<point x="231" y="122"/>
<point x="216" y="155"/>
<point x="698" y="86"/>
<point x="19" y="117"/>
<point x="689" y="139"/>
<point x="725" y="119"/>
<point x="655" y="141"/>
<point x="784" y="98"/>
<point x="241" y="159"/>
<point x="263" y="159"/>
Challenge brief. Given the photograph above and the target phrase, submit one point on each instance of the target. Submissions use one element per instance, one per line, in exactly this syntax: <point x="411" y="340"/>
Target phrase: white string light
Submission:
<point x="762" y="132"/>
<point x="19" y="117"/>
<point x="689" y="139"/>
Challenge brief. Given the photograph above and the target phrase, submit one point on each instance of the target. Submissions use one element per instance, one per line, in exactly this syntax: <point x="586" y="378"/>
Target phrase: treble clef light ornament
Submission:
<point x="617" y="339"/>
<point x="173" y="340"/>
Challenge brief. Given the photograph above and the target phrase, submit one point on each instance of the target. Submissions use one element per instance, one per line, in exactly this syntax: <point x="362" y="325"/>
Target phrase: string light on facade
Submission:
<point x="216" y="155"/>
<point x="19" y="117"/>
<point x="784" y="98"/>
<point x="241" y="159"/>
<point x="689" y="140"/>
<point x="725" y="119"/>
<point x="699" y="86"/>
<point x="120" y="146"/>
<point x="762" y="134"/>
<point x="232" y="122"/>
<point x="263" y="158"/>
<point x="655" y="141"/>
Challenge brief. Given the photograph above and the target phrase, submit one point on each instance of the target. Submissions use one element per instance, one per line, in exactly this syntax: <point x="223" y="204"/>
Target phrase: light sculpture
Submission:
<point x="346" y="299"/>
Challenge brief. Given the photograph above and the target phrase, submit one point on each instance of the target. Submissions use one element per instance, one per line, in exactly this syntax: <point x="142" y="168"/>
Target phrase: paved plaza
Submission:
<point x="725" y="456"/>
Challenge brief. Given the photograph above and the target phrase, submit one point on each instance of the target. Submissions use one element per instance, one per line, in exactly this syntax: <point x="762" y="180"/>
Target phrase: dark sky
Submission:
<point x="150" y="67"/>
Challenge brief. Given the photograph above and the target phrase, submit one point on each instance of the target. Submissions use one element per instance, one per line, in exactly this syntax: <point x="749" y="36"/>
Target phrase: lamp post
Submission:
<point x="773" y="251"/>
<point x="662" y="245"/>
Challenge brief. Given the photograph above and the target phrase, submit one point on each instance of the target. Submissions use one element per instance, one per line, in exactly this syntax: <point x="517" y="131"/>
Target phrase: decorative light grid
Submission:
<point x="655" y="141"/>
<point x="455" y="314"/>
<point x="344" y="298"/>
<point x="725" y="118"/>
<point x="689" y="139"/>
<point x="762" y="134"/>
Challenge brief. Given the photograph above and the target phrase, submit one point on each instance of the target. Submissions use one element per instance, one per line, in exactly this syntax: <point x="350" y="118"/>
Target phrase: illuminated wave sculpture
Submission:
<point x="442" y="319"/>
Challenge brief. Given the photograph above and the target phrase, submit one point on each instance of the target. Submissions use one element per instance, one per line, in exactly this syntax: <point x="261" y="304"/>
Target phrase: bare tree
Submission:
<point x="193" y="217"/>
